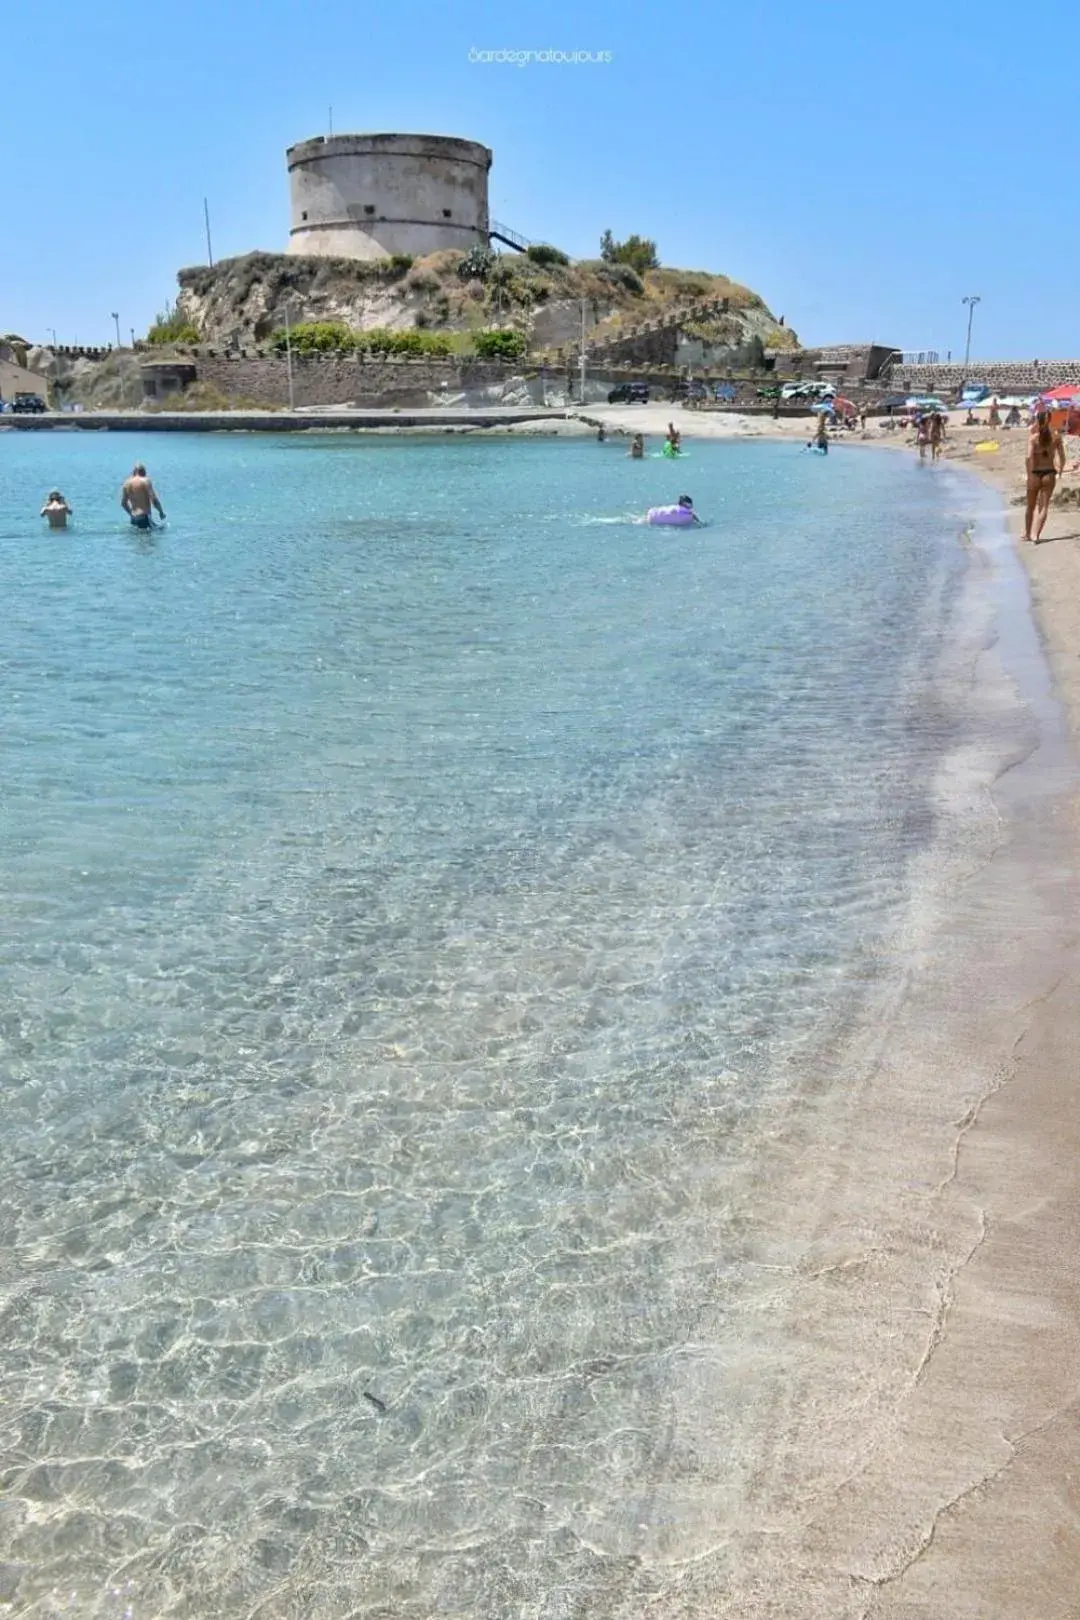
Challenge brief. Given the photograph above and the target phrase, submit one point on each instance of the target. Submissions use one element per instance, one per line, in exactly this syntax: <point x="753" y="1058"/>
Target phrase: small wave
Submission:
<point x="627" y="517"/>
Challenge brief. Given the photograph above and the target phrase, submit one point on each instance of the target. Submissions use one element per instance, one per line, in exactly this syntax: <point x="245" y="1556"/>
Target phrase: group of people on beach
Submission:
<point x="672" y="444"/>
<point x="138" y="497"/>
<point x="930" y="434"/>
<point x="993" y="420"/>
<point x="1045" y="456"/>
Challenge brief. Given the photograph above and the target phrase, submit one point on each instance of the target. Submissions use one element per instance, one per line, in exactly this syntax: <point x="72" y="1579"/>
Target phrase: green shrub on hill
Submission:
<point x="624" y="275"/>
<point x="169" y="327"/>
<point x="639" y="252"/>
<point x="499" y="345"/>
<point x="327" y="337"/>
<point x="544" y="253"/>
<point x="476" y="265"/>
<point x="315" y="337"/>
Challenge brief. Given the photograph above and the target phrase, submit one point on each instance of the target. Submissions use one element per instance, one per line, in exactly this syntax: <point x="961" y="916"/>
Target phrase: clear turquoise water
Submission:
<point x="420" y="883"/>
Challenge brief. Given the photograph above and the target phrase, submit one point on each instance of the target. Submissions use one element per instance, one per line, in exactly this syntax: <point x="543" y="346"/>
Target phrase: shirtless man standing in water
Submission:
<point x="138" y="496"/>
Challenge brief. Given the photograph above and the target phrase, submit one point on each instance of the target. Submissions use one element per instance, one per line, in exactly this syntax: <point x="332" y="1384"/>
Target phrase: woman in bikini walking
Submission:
<point x="1045" y="459"/>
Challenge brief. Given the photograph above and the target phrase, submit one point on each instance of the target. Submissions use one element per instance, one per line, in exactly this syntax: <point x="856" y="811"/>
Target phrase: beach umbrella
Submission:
<point x="1065" y="392"/>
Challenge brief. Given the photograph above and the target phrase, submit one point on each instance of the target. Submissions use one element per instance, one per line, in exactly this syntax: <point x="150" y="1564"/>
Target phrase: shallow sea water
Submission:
<point x="419" y="884"/>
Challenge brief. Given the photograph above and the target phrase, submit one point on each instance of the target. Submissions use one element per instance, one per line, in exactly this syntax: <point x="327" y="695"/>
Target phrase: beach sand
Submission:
<point x="922" y="1352"/>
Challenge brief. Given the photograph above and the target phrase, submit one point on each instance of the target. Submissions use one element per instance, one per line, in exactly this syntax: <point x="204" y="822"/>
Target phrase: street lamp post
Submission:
<point x="971" y="300"/>
<point x="52" y="329"/>
<point x="116" y="318"/>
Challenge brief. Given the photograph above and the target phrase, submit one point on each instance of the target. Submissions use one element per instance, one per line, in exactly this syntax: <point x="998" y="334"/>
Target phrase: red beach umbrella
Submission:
<point x="1063" y="392"/>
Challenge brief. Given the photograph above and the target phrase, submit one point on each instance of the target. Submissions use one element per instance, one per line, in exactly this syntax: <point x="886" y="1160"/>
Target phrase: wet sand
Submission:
<point x="920" y="1361"/>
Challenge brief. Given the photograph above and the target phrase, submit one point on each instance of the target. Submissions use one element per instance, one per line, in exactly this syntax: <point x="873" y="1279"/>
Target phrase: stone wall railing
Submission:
<point x="645" y="341"/>
<point x="1027" y="376"/>
<point x="78" y="351"/>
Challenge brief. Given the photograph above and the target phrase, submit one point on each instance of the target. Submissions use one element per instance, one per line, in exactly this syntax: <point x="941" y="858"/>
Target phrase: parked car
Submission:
<point x="28" y="402"/>
<point x="808" y="390"/>
<point x="629" y="394"/>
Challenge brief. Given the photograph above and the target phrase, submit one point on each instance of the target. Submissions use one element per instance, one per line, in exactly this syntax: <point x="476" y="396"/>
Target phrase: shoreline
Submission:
<point x="919" y="1457"/>
<point x="920" y="1453"/>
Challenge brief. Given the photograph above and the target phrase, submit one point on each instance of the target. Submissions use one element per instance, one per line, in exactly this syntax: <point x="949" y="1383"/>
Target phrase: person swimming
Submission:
<point x="57" y="510"/>
<point x="679" y="516"/>
<point x="637" y="447"/>
<point x="673" y="442"/>
<point x="137" y="497"/>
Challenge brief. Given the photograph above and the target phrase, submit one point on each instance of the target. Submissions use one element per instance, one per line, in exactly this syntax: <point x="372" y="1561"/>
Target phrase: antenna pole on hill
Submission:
<point x="206" y="217"/>
<point x="331" y="110"/>
<point x="288" y="355"/>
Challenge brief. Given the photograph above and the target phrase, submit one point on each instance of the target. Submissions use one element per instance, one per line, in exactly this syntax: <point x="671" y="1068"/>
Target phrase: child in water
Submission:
<point x="637" y="447"/>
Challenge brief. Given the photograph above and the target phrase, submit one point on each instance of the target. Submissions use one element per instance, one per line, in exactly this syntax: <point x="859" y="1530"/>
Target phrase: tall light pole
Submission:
<point x="116" y="318"/>
<point x="52" y="329"/>
<point x="970" y="301"/>
<point x="206" y="221"/>
<point x="583" y="352"/>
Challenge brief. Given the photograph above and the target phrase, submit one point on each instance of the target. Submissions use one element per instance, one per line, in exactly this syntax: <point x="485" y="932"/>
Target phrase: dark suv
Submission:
<point x="629" y="394"/>
<point x="28" y="402"/>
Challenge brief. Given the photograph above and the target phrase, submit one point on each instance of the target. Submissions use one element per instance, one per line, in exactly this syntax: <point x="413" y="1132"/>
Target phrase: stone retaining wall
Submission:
<point x="324" y="379"/>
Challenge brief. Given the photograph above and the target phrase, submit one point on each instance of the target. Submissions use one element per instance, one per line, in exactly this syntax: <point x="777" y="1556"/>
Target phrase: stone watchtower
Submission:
<point x="367" y="196"/>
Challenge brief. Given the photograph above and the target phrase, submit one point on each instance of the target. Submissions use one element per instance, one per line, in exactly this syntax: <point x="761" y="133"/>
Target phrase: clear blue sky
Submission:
<point x="861" y="165"/>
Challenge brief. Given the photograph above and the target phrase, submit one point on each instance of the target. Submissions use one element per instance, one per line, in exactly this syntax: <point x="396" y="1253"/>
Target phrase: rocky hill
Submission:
<point x="245" y="300"/>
